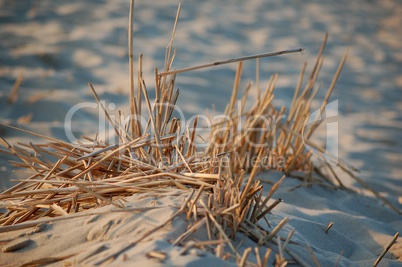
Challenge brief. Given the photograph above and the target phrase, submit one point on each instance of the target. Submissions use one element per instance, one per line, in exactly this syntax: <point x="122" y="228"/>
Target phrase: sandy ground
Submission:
<point x="59" y="47"/>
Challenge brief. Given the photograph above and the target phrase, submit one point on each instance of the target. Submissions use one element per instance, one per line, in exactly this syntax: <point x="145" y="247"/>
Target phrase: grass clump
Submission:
<point x="224" y="195"/>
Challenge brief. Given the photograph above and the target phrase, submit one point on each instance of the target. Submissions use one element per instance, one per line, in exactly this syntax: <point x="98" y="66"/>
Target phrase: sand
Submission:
<point x="361" y="229"/>
<point x="91" y="239"/>
<point x="59" y="47"/>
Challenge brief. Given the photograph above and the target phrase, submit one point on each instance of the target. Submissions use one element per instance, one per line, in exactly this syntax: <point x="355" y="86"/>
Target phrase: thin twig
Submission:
<point x="386" y="249"/>
<point x="217" y="63"/>
<point x="131" y="66"/>
<point x="13" y="96"/>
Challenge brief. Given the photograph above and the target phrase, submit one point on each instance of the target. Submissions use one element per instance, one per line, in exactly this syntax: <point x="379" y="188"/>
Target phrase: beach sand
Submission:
<point x="56" y="48"/>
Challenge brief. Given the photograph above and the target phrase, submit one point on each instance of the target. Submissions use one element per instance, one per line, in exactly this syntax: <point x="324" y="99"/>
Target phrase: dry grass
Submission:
<point x="226" y="197"/>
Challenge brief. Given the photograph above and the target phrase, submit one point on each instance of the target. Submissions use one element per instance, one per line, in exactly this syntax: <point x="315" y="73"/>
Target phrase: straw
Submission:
<point x="233" y="60"/>
<point x="386" y="249"/>
<point x="13" y="96"/>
